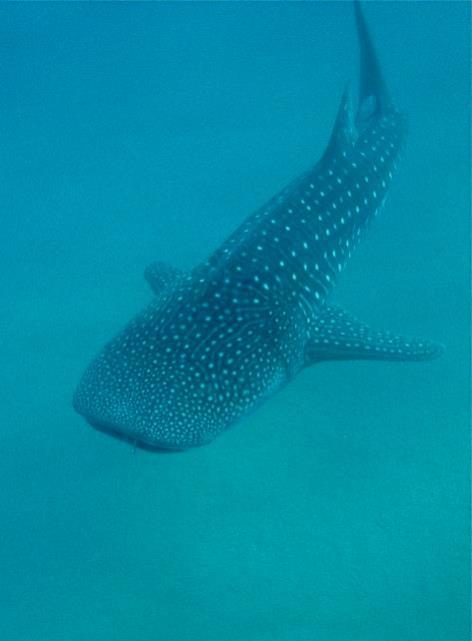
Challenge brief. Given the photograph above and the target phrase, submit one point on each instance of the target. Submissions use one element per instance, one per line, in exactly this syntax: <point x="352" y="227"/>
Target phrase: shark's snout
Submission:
<point x="99" y="402"/>
<point x="128" y="436"/>
<point x="111" y="422"/>
<point x="121" y="414"/>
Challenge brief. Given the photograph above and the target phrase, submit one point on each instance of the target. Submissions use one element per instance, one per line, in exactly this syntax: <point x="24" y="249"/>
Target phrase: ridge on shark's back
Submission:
<point x="216" y="342"/>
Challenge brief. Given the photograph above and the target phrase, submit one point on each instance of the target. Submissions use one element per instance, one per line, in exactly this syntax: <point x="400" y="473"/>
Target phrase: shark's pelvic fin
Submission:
<point x="162" y="276"/>
<point x="338" y="336"/>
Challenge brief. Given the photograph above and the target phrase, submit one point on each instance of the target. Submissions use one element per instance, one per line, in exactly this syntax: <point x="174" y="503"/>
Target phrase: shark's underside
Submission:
<point x="215" y="342"/>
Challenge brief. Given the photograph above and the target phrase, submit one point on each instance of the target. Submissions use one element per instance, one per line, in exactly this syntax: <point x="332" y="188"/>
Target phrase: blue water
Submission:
<point x="339" y="510"/>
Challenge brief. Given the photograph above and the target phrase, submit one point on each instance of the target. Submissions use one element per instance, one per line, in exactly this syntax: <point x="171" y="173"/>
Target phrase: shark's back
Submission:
<point x="292" y="249"/>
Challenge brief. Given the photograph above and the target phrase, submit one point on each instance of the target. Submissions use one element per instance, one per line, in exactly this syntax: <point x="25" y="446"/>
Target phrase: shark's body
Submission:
<point x="214" y="343"/>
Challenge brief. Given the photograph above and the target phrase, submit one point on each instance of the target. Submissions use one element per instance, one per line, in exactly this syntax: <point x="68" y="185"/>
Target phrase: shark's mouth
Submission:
<point x="112" y="430"/>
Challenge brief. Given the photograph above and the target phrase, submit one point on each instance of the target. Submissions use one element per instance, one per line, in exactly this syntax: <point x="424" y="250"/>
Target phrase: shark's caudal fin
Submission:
<point x="374" y="99"/>
<point x="373" y="94"/>
<point x="338" y="336"/>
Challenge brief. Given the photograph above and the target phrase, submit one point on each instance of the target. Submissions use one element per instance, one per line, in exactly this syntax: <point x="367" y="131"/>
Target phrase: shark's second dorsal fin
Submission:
<point x="162" y="276"/>
<point x="343" y="134"/>
<point x="336" y="335"/>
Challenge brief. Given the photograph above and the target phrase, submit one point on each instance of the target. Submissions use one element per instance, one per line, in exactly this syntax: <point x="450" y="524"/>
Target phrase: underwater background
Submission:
<point x="338" y="511"/>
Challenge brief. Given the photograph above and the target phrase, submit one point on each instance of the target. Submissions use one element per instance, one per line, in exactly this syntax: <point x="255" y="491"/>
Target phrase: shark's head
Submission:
<point x="134" y="411"/>
<point x="133" y="390"/>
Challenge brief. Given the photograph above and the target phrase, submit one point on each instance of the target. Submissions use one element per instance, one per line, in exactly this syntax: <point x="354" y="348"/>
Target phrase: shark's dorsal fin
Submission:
<point x="336" y="335"/>
<point x="162" y="276"/>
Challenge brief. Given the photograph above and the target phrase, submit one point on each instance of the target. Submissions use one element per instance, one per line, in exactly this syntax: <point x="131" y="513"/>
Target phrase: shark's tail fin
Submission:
<point x="374" y="99"/>
<point x="373" y="95"/>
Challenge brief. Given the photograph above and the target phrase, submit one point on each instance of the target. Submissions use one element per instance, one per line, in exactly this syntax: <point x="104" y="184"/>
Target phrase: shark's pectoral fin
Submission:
<point x="338" y="336"/>
<point x="162" y="276"/>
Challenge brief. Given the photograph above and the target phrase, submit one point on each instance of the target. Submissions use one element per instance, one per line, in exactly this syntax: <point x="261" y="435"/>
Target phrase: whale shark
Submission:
<point x="217" y="341"/>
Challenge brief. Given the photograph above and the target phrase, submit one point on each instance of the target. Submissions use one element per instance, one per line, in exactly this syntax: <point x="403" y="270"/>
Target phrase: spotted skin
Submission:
<point x="215" y="343"/>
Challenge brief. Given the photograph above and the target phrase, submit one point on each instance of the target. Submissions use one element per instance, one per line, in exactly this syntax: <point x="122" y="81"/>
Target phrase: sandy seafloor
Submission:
<point x="339" y="510"/>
